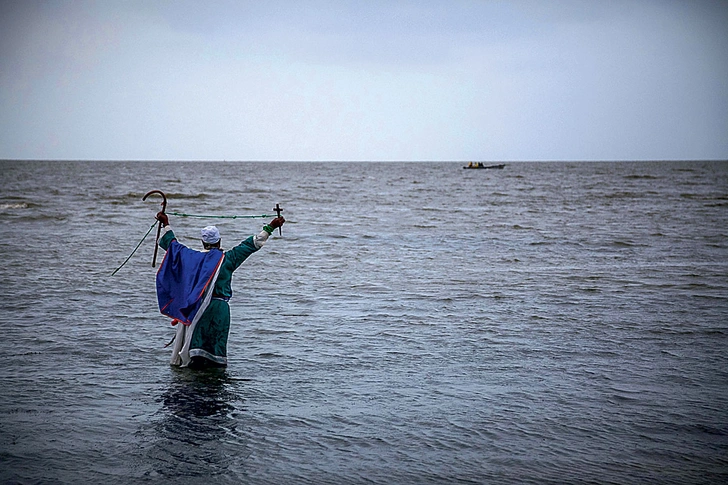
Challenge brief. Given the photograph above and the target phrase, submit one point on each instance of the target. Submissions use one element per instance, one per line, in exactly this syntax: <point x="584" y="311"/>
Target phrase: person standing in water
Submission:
<point x="203" y="342"/>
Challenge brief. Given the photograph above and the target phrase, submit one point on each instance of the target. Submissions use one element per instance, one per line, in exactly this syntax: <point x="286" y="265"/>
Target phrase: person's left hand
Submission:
<point x="277" y="222"/>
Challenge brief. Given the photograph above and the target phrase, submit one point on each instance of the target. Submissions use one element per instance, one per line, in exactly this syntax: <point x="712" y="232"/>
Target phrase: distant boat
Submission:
<point x="480" y="165"/>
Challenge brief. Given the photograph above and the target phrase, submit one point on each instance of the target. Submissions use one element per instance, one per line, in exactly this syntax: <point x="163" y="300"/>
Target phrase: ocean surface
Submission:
<point x="414" y="323"/>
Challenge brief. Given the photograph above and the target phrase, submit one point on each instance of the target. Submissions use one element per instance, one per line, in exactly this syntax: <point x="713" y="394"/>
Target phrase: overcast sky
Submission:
<point x="364" y="80"/>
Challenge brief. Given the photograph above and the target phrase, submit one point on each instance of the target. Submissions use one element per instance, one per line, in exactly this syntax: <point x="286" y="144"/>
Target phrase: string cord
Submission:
<point x="135" y="249"/>
<point x="179" y="214"/>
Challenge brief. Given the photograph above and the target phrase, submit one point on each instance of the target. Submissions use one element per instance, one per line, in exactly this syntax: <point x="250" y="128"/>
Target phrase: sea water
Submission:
<point x="413" y="323"/>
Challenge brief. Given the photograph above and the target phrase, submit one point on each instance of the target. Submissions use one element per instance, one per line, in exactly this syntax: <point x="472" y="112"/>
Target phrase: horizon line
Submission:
<point x="111" y="160"/>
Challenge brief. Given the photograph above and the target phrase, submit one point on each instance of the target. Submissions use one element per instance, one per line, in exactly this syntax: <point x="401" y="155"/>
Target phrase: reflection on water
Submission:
<point x="197" y="398"/>
<point x="196" y="419"/>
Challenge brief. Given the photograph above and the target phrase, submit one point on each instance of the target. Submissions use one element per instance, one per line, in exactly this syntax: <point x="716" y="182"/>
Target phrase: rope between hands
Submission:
<point x="179" y="214"/>
<point x="135" y="249"/>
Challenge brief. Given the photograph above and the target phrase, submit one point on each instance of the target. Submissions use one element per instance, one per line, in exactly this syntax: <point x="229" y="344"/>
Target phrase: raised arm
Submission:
<point x="240" y="253"/>
<point x="167" y="234"/>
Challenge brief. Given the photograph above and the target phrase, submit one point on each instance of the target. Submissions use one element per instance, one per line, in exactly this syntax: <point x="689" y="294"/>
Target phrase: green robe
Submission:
<point x="210" y="334"/>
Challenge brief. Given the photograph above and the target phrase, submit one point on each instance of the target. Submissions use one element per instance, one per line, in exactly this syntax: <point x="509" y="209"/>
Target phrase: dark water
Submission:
<point x="415" y="323"/>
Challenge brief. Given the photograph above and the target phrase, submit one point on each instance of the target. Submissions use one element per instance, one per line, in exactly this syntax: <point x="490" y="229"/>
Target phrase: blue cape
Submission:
<point x="183" y="279"/>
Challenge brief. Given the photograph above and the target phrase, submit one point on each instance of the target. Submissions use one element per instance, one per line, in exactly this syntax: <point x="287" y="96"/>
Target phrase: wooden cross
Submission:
<point x="278" y="210"/>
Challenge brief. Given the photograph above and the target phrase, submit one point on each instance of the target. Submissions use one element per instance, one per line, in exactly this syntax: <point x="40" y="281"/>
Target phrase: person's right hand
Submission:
<point x="162" y="217"/>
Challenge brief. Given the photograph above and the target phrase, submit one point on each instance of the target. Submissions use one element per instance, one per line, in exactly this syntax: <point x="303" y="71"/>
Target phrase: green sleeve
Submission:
<point x="166" y="239"/>
<point x="240" y="253"/>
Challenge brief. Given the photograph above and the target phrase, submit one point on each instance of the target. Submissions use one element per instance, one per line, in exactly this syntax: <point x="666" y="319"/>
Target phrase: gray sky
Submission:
<point x="364" y="80"/>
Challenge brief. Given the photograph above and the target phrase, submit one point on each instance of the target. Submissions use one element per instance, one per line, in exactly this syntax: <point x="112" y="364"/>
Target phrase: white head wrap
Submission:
<point x="210" y="234"/>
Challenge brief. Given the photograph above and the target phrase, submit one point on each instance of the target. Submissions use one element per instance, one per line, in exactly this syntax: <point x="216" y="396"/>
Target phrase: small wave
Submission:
<point x="14" y="205"/>
<point x="640" y="177"/>
<point x="271" y="331"/>
<point x="269" y="355"/>
<point x="180" y="195"/>
<point x="623" y="396"/>
<point x="591" y="289"/>
<point x="626" y="244"/>
<point x="169" y="195"/>
<point x="622" y="195"/>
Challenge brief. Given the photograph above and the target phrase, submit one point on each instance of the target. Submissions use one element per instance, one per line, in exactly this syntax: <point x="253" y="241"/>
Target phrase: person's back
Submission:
<point x="204" y="341"/>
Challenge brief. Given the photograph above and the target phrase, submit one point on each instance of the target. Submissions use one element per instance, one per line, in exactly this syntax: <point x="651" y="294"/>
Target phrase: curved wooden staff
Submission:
<point x="159" y="227"/>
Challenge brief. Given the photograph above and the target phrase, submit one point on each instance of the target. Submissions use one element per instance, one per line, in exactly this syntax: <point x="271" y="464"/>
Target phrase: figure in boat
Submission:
<point x="480" y="165"/>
